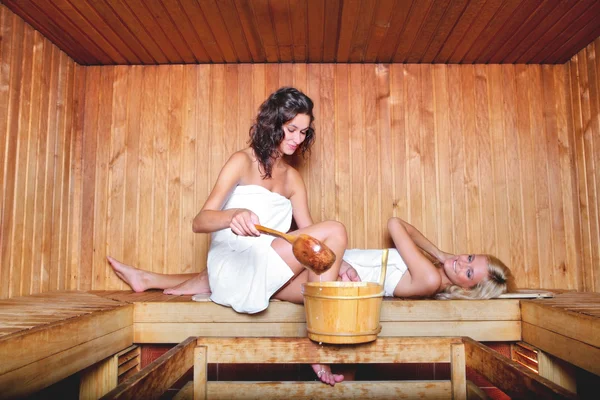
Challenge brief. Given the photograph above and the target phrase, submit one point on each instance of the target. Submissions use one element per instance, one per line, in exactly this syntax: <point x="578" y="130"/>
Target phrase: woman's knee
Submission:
<point x="336" y="230"/>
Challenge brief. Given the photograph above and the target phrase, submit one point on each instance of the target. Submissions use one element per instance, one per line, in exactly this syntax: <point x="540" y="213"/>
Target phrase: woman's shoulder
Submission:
<point x="243" y="158"/>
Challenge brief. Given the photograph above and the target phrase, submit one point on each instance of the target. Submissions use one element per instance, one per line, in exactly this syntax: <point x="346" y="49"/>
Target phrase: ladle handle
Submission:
<point x="384" y="262"/>
<point x="282" y="235"/>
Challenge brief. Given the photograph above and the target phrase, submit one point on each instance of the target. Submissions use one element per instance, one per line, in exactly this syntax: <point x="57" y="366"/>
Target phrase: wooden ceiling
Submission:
<point x="109" y="32"/>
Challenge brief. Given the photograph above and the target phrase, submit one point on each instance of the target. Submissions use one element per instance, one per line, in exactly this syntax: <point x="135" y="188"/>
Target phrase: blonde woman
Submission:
<point x="411" y="273"/>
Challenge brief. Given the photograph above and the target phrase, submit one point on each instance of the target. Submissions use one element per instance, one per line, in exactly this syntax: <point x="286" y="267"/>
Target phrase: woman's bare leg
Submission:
<point x="195" y="285"/>
<point x="334" y="235"/>
<point x="140" y="280"/>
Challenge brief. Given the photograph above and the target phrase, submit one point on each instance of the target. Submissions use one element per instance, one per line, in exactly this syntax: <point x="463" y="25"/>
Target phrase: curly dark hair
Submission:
<point x="266" y="134"/>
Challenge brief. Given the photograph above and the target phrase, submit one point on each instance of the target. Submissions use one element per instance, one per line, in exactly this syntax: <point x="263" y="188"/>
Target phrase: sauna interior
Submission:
<point x="476" y="121"/>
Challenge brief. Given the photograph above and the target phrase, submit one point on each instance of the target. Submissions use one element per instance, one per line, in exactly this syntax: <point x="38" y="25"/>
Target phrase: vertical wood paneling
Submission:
<point x="118" y="160"/>
<point x="442" y="186"/>
<point x="585" y="100"/>
<point x="512" y="157"/>
<point x="36" y="102"/>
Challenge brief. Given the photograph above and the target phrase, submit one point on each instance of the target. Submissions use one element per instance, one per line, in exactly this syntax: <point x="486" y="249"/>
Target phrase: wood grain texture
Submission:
<point x="118" y="160"/>
<point x="117" y="32"/>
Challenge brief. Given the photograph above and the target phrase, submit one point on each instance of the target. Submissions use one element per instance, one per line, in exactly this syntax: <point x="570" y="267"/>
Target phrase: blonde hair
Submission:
<point x="500" y="280"/>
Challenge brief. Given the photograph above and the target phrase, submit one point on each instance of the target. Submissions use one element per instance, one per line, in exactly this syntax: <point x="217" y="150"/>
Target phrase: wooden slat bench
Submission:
<point x="160" y="318"/>
<point x="567" y="326"/>
<point x="73" y="330"/>
<point x="46" y="338"/>
<point x="510" y="377"/>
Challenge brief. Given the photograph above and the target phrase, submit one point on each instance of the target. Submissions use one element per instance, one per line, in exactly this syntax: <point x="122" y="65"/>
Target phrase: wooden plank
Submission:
<point x="280" y="12"/>
<point x="360" y="35"/>
<point x="392" y="310"/>
<point x="414" y="168"/>
<point x="200" y="372"/>
<point x="49" y="370"/>
<point x="98" y="379"/>
<point x="330" y="30"/>
<point x="558" y="371"/>
<point x="230" y="16"/>
<point x="458" y="375"/>
<point x="496" y="26"/>
<point x="32" y="346"/>
<point x="443" y="164"/>
<point x="577" y="326"/>
<point x="264" y="24"/>
<point x="348" y="21"/>
<point x="316" y="390"/>
<point x="157" y="377"/>
<point x="479" y="330"/>
<point x="187" y="392"/>
<point x="468" y="15"/>
<point x="372" y="161"/>
<point x="219" y="32"/>
<point x="412" y="29"/>
<point x="427" y="30"/>
<point x="510" y="377"/>
<point x="186" y="28"/>
<point x="516" y="30"/>
<point x="303" y="351"/>
<point x="457" y="150"/>
<point x="443" y="30"/>
<point x="22" y="164"/>
<point x="176" y="332"/>
<point x="573" y="351"/>
<point x="474" y="392"/>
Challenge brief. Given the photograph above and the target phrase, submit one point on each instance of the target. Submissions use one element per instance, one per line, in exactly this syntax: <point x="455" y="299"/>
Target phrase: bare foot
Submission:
<point x="136" y="278"/>
<point x="325" y="375"/>
<point x="196" y="285"/>
<point x="348" y="273"/>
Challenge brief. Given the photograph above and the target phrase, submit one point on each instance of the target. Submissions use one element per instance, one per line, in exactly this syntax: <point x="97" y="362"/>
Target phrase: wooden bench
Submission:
<point x="160" y="318"/>
<point x="46" y="338"/>
<point x="512" y="378"/>
<point x="564" y="328"/>
<point x="36" y="332"/>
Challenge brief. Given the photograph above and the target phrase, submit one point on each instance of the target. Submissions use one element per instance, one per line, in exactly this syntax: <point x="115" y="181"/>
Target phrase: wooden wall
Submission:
<point x="480" y="158"/>
<point x="118" y="160"/>
<point x="36" y="113"/>
<point x="584" y="71"/>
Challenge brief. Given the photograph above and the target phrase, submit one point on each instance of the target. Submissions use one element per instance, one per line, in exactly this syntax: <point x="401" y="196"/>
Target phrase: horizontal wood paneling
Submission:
<point x="584" y="92"/>
<point x="132" y="32"/>
<point x="36" y="114"/>
<point x="477" y="157"/>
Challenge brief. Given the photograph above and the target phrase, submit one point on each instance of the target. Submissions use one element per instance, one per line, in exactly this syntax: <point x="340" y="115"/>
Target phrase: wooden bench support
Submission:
<point x="304" y="351"/>
<point x="99" y="379"/>
<point x="556" y="370"/>
<point x="152" y="381"/>
<point x="513" y="379"/>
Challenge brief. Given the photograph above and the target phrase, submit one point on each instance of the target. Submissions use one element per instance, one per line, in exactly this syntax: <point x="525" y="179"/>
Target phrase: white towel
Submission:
<point x="244" y="271"/>
<point x="367" y="264"/>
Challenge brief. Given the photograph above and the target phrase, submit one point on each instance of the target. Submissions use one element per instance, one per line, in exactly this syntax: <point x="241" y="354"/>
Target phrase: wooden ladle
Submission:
<point x="312" y="254"/>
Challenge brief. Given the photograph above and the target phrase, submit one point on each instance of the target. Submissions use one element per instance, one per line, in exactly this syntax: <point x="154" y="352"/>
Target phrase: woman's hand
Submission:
<point x="243" y="221"/>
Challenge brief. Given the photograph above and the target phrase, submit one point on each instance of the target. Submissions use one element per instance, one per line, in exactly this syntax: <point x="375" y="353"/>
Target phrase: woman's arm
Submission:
<point x="424" y="243"/>
<point x="424" y="279"/>
<point x="299" y="200"/>
<point x="211" y="217"/>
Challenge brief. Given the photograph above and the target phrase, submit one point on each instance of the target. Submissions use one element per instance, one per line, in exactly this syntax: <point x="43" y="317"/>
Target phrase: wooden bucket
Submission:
<point x="344" y="312"/>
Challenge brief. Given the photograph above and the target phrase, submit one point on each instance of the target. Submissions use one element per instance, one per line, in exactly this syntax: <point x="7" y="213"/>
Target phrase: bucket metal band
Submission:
<point x="371" y="332"/>
<point x="324" y="296"/>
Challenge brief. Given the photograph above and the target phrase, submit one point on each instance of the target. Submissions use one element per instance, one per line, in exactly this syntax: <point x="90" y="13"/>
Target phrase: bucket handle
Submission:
<point x="384" y="261"/>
